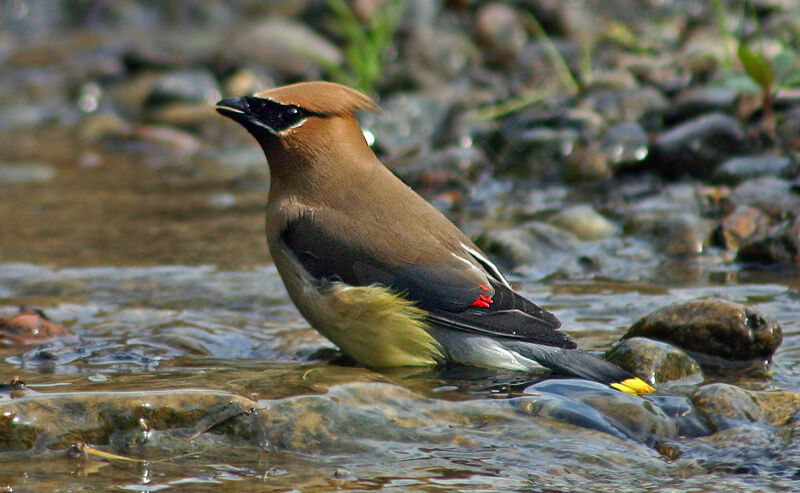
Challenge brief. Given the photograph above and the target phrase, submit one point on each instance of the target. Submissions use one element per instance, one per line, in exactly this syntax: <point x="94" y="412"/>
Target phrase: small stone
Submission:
<point x="26" y="173"/>
<point x="697" y="101"/>
<point x="584" y="222"/>
<point x="738" y="169"/>
<point x="626" y="144"/>
<point x="499" y="27"/>
<point x="713" y="327"/>
<point x="222" y="201"/>
<point x="697" y="146"/>
<point x="653" y="361"/>
<point x="778" y="245"/>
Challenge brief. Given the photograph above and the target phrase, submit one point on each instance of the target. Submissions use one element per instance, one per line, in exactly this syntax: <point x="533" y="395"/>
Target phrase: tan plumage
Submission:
<point x="376" y="268"/>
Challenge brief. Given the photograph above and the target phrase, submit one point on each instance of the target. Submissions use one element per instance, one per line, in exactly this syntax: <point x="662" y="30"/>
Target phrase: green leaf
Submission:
<point x="756" y="66"/>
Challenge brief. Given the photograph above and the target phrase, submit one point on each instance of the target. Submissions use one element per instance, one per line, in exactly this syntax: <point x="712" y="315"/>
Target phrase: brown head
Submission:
<point x="302" y="123"/>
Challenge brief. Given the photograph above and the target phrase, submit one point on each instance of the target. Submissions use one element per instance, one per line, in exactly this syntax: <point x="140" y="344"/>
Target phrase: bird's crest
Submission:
<point x="321" y="97"/>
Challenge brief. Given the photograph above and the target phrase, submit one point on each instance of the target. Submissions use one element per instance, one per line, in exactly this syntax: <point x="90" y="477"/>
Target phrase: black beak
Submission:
<point x="234" y="108"/>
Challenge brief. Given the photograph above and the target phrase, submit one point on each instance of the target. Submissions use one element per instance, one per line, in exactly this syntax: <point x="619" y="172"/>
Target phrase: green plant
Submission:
<point x="366" y="42"/>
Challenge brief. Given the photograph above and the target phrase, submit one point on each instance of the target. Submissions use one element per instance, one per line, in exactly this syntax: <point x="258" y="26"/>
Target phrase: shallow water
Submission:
<point x="167" y="291"/>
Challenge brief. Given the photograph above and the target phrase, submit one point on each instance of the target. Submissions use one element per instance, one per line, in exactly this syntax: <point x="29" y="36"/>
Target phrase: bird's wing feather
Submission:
<point x="456" y="292"/>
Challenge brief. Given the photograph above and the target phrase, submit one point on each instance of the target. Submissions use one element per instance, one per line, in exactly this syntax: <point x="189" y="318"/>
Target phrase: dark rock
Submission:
<point x="739" y="169"/>
<point x="697" y="146"/>
<point x="538" y="152"/>
<point x="448" y="168"/>
<point x="726" y="406"/>
<point x="697" y="101"/>
<point x="778" y="245"/>
<point x="775" y="196"/>
<point x="788" y="129"/>
<point x="653" y="361"/>
<point x="712" y="327"/>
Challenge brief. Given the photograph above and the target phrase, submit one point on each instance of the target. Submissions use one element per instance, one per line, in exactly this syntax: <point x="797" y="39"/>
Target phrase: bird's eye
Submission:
<point x="291" y="115"/>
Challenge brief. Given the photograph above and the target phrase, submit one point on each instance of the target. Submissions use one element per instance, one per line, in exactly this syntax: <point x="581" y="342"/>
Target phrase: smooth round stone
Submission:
<point x="584" y="222"/>
<point x="653" y="361"/>
<point x="727" y="406"/>
<point x="738" y="169"/>
<point x="778" y="245"/>
<point x="713" y="327"/>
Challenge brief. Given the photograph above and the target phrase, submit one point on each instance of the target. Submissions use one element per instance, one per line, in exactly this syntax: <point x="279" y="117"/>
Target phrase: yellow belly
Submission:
<point x="374" y="326"/>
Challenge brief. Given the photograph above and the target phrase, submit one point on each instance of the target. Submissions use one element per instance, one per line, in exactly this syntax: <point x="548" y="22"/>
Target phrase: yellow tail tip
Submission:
<point x="633" y="386"/>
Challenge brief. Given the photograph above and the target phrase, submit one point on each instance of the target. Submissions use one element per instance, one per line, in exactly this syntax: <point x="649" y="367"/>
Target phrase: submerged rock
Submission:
<point x="713" y="327"/>
<point x="29" y="326"/>
<point x="697" y="146"/>
<point x="653" y="361"/>
<point x="727" y="406"/>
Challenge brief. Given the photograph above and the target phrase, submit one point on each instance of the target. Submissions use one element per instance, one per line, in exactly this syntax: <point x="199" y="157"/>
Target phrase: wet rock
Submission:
<point x="682" y="234"/>
<point x="775" y="196"/>
<point x="778" y="245"/>
<point x="11" y="173"/>
<point x="531" y="243"/>
<point x="187" y="86"/>
<point x="713" y="327"/>
<point x="406" y="124"/>
<point x="542" y="152"/>
<point x="741" y="224"/>
<point x="626" y="144"/>
<point x="29" y="326"/>
<point x="726" y="406"/>
<point x="180" y="418"/>
<point x="653" y="361"/>
<point x="739" y="169"/>
<point x="788" y="129"/>
<point x="288" y="47"/>
<point x="584" y="222"/>
<point x="499" y="27"/>
<point x="697" y="146"/>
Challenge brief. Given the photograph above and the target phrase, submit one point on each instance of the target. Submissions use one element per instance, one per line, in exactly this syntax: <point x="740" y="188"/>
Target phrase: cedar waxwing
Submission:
<point x="373" y="266"/>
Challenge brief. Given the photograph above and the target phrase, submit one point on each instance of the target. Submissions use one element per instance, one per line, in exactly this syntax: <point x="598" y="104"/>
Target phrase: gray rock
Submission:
<point x="26" y="173"/>
<point x="713" y="327"/>
<point x="407" y="123"/>
<point x="778" y="245"/>
<point x="626" y="144"/>
<point x="434" y="57"/>
<point x="679" y="234"/>
<point x="653" y="361"/>
<point x="738" y="169"/>
<point x="696" y="101"/>
<point x="290" y="48"/>
<point x="741" y="224"/>
<point x="775" y="196"/>
<point x="530" y="243"/>
<point x="193" y="86"/>
<point x="697" y="146"/>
